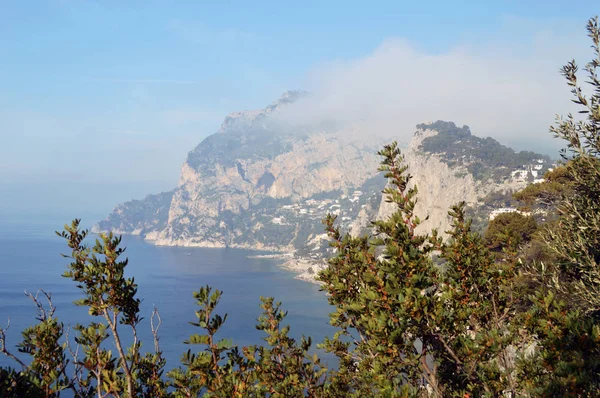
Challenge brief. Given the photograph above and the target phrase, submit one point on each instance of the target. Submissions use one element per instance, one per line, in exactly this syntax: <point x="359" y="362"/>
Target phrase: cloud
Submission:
<point x="509" y="92"/>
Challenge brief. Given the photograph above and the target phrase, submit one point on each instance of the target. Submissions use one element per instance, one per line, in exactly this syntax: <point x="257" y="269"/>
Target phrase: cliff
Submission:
<point x="139" y="217"/>
<point x="260" y="184"/>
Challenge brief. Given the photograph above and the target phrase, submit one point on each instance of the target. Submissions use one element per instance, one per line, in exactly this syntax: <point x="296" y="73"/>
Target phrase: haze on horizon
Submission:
<point x="101" y="100"/>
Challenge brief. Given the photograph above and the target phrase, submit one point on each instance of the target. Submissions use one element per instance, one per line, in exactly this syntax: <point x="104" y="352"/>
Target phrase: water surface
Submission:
<point x="30" y="259"/>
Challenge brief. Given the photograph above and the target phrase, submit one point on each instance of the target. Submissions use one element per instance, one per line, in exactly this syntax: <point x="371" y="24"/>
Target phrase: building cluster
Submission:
<point x="535" y="170"/>
<point x="317" y="208"/>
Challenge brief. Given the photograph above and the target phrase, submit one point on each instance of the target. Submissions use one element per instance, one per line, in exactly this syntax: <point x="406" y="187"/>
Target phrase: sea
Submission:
<point x="30" y="259"/>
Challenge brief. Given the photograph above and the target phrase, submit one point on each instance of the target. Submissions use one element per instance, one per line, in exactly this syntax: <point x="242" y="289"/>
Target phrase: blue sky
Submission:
<point x="99" y="91"/>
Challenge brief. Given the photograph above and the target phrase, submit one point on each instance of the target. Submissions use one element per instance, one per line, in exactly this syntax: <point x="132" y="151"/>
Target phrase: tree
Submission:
<point x="282" y="368"/>
<point x="565" y="306"/>
<point x="509" y="231"/>
<point x="382" y="298"/>
<point x="407" y="326"/>
<point x="547" y="194"/>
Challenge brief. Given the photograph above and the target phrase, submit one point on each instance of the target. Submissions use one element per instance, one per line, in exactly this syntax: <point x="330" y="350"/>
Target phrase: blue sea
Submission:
<point x="166" y="277"/>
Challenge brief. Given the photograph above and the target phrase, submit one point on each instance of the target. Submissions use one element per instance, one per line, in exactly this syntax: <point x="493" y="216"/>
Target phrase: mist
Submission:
<point x="512" y="96"/>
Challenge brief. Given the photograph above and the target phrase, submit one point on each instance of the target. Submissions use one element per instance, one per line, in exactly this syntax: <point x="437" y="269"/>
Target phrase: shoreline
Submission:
<point x="275" y="256"/>
<point x="305" y="269"/>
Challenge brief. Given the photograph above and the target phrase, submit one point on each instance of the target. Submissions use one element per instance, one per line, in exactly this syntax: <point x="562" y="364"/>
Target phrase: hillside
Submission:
<point x="484" y="158"/>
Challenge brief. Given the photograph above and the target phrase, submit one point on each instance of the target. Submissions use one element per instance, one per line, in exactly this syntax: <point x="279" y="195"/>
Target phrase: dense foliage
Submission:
<point x="416" y="314"/>
<point x="509" y="230"/>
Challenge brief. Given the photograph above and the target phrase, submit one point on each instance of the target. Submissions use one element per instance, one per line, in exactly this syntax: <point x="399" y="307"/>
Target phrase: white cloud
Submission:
<point x="509" y="92"/>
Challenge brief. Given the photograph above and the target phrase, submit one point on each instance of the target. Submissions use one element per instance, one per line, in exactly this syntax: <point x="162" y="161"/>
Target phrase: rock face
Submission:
<point x="443" y="182"/>
<point x="223" y="201"/>
<point x="139" y="217"/>
<point x="254" y="184"/>
<point x="259" y="184"/>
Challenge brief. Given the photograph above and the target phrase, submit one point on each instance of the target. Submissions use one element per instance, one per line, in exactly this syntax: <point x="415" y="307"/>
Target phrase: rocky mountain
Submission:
<point x="450" y="165"/>
<point x="255" y="184"/>
<point x="260" y="184"/>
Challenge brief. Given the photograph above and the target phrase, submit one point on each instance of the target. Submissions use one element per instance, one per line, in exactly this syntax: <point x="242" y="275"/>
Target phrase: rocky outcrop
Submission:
<point x="441" y="186"/>
<point x="139" y="217"/>
<point x="212" y="200"/>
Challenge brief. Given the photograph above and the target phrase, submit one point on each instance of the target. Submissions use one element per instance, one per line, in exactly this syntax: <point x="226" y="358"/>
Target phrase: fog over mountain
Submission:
<point x="510" y="97"/>
<point x="115" y="123"/>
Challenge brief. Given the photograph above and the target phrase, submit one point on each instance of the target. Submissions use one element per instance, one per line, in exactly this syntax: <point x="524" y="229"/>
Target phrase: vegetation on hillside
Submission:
<point x="472" y="323"/>
<point x="485" y="158"/>
<point x="546" y="195"/>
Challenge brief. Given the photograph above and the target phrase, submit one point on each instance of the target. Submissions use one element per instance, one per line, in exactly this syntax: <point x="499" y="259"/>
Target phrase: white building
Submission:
<point x="496" y="212"/>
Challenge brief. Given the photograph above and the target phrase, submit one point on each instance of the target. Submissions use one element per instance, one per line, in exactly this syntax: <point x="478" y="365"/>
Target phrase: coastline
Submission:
<point x="305" y="269"/>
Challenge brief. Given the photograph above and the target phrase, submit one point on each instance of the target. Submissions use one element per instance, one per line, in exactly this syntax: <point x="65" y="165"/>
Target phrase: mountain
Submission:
<point x="254" y="184"/>
<point x="260" y="184"/>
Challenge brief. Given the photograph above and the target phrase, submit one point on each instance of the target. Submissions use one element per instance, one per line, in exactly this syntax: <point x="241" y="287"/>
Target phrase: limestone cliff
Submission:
<point x="257" y="184"/>
<point x="443" y="182"/>
<point x="260" y="184"/>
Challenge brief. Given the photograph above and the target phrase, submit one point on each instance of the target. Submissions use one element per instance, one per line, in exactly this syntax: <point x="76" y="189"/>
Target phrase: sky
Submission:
<point x="100" y="101"/>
